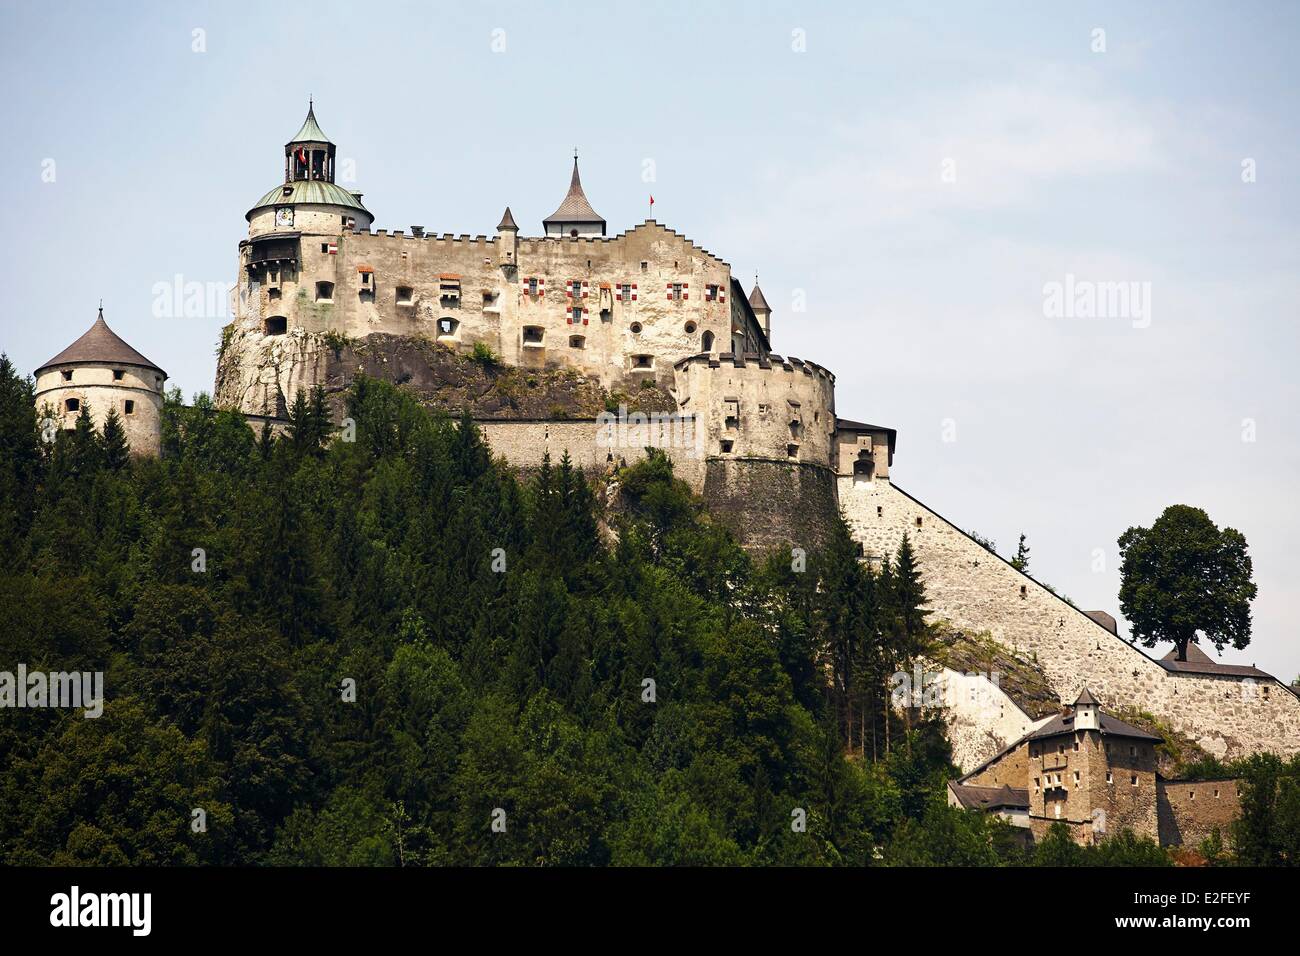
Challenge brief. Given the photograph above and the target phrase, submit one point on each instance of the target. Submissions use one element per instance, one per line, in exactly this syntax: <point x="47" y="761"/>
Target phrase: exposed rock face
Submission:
<point x="265" y="372"/>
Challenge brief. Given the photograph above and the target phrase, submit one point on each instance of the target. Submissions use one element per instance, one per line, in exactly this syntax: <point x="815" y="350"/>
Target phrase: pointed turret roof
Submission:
<point x="1086" y="699"/>
<point x="310" y="131"/>
<point x="575" y="207"/>
<point x="507" y="222"/>
<point x="756" y="300"/>
<point x="100" y="344"/>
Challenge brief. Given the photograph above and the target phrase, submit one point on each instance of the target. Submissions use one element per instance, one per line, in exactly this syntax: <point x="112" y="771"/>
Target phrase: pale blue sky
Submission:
<point x="821" y="169"/>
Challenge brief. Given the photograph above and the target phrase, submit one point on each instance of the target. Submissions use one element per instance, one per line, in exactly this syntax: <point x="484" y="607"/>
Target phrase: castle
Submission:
<point x="1097" y="775"/>
<point x="640" y="315"/>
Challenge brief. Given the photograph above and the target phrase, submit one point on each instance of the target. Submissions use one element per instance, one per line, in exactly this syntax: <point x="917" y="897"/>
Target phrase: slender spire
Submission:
<point x="310" y="131"/>
<point x="575" y="210"/>
<point x="507" y="222"/>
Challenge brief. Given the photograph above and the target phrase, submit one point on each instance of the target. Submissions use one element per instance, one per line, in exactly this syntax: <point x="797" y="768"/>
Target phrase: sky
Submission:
<point x="916" y="184"/>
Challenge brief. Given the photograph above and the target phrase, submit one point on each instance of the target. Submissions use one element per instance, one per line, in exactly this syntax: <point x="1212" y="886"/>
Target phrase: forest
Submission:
<point x="388" y="649"/>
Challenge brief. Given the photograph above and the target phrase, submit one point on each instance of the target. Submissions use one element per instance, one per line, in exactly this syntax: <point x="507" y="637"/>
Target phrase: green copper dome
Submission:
<point x="317" y="191"/>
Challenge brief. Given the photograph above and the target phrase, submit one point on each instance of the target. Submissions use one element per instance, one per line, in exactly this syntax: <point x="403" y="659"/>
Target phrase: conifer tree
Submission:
<point x="116" y="450"/>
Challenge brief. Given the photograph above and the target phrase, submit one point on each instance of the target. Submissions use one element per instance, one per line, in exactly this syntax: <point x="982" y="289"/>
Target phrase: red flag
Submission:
<point x="652" y="200"/>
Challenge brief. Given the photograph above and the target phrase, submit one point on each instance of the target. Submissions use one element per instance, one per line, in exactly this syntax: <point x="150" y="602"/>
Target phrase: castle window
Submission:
<point x="1133" y="779"/>
<point x="690" y="328"/>
<point x="792" y="451"/>
<point x="1110" y="778"/>
<point x="676" y="291"/>
<point x="626" y="292"/>
<point x="635" y="328"/>
<point x="576" y="316"/>
<point x="447" y="327"/>
<point x="1191" y="794"/>
<point x="118" y="374"/>
<point x="710" y="293"/>
<point x="128" y="407"/>
<point x="449" y="287"/>
<point x="918" y="521"/>
<point x="324" y="291"/>
<point x="706" y="342"/>
<point x="577" y="342"/>
<point x="880" y="511"/>
<point x="405" y="295"/>
<point x="1216" y="793"/>
<point x="643" y="362"/>
<point x="532" y="285"/>
<point x="606" y="315"/>
<point x="726" y="446"/>
<point x="67" y="375"/>
<point x="533" y="335"/>
<point x="73" y="404"/>
<point x="645" y="266"/>
<point x="276" y="325"/>
<point x="1022" y="591"/>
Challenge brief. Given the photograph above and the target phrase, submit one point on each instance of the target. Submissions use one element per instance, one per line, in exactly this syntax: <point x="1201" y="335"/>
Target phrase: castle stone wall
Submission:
<point x="974" y="589"/>
<point x="1190" y="811"/>
<point x="462" y="290"/>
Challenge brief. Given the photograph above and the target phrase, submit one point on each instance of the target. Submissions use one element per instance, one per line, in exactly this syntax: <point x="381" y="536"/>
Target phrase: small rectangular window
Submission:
<point x="325" y="291"/>
<point x="73" y="404"/>
<point x="1133" y="779"/>
<point x="405" y="295"/>
<point x="128" y="407"/>
<point x="67" y="375"/>
<point x="533" y="335"/>
<point x="118" y="374"/>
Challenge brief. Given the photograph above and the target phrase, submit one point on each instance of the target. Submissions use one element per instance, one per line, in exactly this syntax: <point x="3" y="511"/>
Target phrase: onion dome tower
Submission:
<point x="101" y="373"/>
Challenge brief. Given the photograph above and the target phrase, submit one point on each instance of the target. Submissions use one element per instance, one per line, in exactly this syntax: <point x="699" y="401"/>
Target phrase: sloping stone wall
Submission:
<point x="975" y="589"/>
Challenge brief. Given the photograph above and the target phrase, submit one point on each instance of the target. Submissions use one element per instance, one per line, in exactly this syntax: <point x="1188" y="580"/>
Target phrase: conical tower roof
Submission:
<point x="507" y="222"/>
<point x="1085" y="698"/>
<point x="575" y="207"/>
<point x="100" y="344"/>
<point x="310" y="131"/>
<point x="756" y="300"/>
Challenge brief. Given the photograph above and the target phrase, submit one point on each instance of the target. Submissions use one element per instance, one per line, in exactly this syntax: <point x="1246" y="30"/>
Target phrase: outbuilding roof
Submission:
<point x="1198" y="662"/>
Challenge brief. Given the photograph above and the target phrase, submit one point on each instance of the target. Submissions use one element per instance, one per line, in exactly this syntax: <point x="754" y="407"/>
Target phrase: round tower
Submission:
<point x="101" y="373"/>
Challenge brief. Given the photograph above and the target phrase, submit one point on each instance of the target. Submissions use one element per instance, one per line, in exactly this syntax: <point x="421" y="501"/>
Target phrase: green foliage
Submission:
<point x="616" y="685"/>
<point x="1184" y="577"/>
<point x="483" y="355"/>
<point x="1021" y="560"/>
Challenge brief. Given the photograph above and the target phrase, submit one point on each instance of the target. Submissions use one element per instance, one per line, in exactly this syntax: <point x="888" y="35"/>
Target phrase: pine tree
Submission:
<point x="116" y="450"/>
<point x="1021" y="561"/>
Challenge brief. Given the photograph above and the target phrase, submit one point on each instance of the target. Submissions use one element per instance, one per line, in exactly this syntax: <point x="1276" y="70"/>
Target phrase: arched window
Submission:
<point x="706" y="342"/>
<point x="276" y="325"/>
